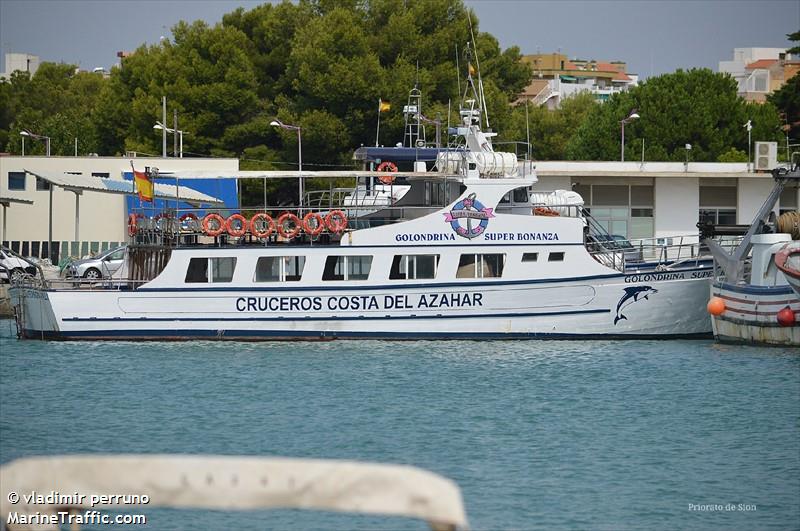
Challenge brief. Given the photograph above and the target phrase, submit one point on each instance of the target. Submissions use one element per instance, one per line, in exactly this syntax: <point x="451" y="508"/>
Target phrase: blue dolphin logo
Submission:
<point x="634" y="294"/>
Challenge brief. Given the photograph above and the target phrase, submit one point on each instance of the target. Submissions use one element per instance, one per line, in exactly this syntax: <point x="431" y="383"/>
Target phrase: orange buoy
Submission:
<point x="217" y="220"/>
<point x="786" y="317"/>
<point x="313" y="223"/>
<point x="289" y="225"/>
<point x="716" y="306"/>
<point x="239" y="220"/>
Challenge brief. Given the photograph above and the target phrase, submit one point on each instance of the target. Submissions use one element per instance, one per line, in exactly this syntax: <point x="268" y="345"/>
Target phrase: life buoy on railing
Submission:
<point x="336" y="221"/>
<point x="191" y="218"/>
<point x="220" y="221"/>
<point x="295" y="222"/>
<point x="234" y="232"/>
<point x="163" y="225"/>
<point x="313" y="223"/>
<point x="544" y="211"/>
<point x="387" y="166"/>
<point x="133" y="224"/>
<point x="258" y="220"/>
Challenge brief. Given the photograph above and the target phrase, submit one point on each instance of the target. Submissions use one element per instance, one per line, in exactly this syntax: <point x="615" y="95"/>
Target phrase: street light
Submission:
<point x="631" y="117"/>
<point x="278" y="123"/>
<point x="688" y="148"/>
<point x="27" y="133"/>
<point x="159" y="126"/>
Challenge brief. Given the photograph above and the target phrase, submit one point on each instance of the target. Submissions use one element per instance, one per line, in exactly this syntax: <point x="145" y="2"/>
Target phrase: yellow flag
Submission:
<point x="144" y="185"/>
<point x="384" y="106"/>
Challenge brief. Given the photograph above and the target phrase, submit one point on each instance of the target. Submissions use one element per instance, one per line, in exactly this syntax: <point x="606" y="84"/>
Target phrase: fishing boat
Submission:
<point x="754" y="295"/>
<point x="467" y="250"/>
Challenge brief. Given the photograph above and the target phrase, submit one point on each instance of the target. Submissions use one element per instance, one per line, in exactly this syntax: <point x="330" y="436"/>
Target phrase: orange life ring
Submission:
<point x="336" y="221"/>
<point x="316" y="229"/>
<point x="242" y="230"/>
<point x="387" y="166"/>
<point x="207" y="224"/>
<point x="544" y="211"/>
<point x="262" y="233"/>
<point x="297" y="225"/>
<point x="132" y="224"/>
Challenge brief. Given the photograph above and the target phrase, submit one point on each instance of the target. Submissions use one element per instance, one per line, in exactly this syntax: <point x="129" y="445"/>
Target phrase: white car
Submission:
<point x="104" y="265"/>
<point x="13" y="266"/>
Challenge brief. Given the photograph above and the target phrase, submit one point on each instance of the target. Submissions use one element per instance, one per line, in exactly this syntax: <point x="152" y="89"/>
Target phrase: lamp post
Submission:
<point x="27" y="133"/>
<point x="278" y="123"/>
<point x="688" y="148"/>
<point x="631" y="117"/>
<point x="159" y="126"/>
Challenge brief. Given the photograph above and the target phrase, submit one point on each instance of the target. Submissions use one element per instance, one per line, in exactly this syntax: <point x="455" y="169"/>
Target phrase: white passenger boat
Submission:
<point x="752" y="296"/>
<point x="465" y="252"/>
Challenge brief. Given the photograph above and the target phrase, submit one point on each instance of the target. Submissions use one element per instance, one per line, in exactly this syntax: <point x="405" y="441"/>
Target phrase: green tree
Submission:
<point x="697" y="107"/>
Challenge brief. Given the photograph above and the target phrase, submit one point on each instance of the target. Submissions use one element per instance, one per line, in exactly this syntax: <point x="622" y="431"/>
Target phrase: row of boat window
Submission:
<point x="404" y="267"/>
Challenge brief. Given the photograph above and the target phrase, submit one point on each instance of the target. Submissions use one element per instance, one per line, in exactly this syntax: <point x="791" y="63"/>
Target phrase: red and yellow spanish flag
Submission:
<point x="384" y="106"/>
<point x="144" y="185"/>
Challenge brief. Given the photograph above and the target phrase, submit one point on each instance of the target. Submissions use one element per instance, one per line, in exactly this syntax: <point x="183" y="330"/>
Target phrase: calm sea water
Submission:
<point x="538" y="435"/>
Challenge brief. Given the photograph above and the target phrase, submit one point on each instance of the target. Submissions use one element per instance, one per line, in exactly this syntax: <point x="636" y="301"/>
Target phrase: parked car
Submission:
<point x="13" y="266"/>
<point x="104" y="265"/>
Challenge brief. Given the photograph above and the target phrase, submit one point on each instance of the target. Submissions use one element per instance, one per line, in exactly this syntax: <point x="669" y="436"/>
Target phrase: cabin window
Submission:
<point x="530" y="257"/>
<point x="41" y="184"/>
<point x="555" y="257"/>
<point x="347" y="268"/>
<point x="481" y="265"/>
<point x="420" y="266"/>
<point x="221" y="270"/>
<point x="16" y="180"/>
<point x="279" y="268"/>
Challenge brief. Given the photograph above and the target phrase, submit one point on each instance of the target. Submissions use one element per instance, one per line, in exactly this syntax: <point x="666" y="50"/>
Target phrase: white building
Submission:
<point x="102" y="217"/>
<point x="20" y="61"/>
<point x="759" y="71"/>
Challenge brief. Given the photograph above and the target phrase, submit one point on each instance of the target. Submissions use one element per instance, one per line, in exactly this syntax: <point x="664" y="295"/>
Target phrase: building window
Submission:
<point x="407" y="267"/>
<point x="221" y="270"/>
<point x="16" y="180"/>
<point x="347" y="268"/>
<point x="41" y="184"/>
<point x="279" y="268"/>
<point x="788" y="200"/>
<point x="625" y="210"/>
<point x="481" y="266"/>
<point x="718" y="204"/>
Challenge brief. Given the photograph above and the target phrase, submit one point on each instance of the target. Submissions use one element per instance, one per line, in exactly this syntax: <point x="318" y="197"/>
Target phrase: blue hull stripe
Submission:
<point x="329" y="318"/>
<point x="245" y="335"/>
<point x="756" y="290"/>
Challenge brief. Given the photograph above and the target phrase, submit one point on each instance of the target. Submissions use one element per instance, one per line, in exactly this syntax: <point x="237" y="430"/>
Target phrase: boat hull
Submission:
<point x="750" y="315"/>
<point x="652" y="305"/>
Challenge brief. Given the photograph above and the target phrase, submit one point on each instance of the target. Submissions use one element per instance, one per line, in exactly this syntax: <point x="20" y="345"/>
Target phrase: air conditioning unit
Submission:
<point x="766" y="156"/>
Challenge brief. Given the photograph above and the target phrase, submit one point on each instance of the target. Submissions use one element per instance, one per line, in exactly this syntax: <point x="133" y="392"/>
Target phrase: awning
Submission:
<point x="6" y="201"/>
<point x="74" y="182"/>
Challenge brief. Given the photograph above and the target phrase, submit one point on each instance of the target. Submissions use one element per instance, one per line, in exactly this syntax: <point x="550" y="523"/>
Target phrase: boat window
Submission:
<point x="481" y="265"/>
<point x="506" y="198"/>
<point x="530" y="257"/>
<point x="347" y="268"/>
<point x="555" y="257"/>
<point x="414" y="266"/>
<point x="221" y="270"/>
<point x="521" y="195"/>
<point x="279" y="268"/>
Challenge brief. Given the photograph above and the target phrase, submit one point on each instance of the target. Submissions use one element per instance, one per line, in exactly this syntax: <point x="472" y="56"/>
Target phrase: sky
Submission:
<point x="653" y="36"/>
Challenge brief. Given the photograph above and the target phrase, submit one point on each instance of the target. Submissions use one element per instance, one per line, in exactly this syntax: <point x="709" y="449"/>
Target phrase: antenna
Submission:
<point x="481" y="96"/>
<point x="458" y="76"/>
